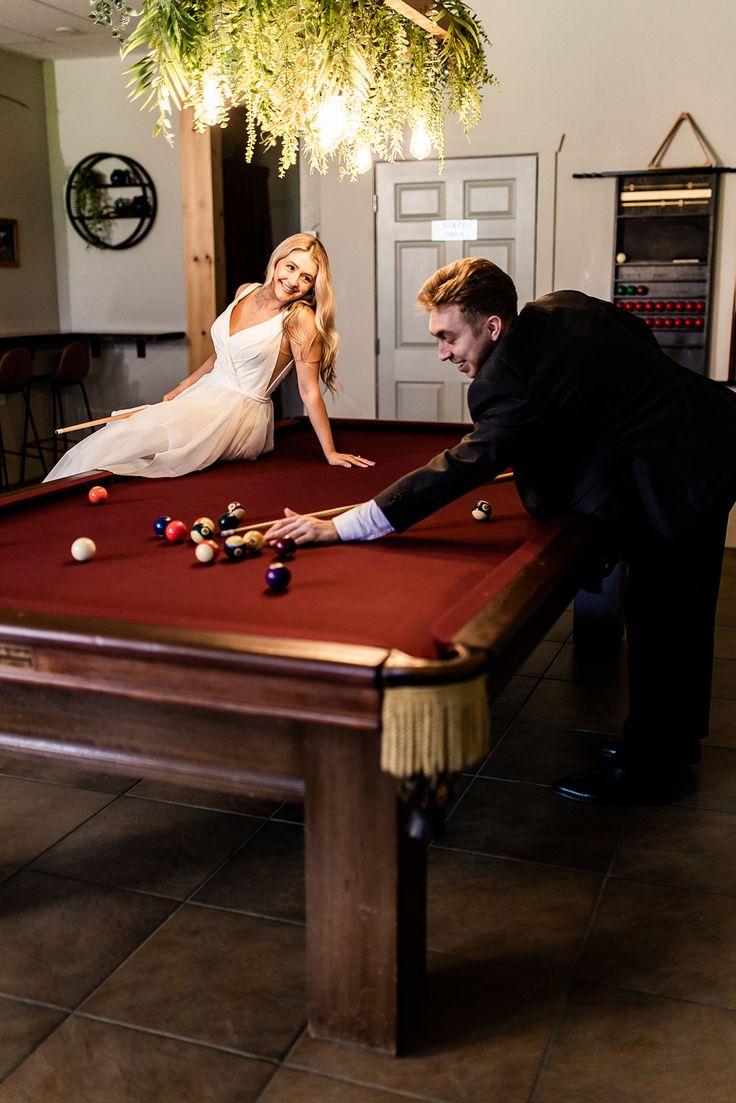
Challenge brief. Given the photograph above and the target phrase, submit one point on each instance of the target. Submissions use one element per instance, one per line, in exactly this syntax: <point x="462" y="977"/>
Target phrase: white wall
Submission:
<point x="604" y="81"/>
<point x="138" y="289"/>
<point x="27" y="293"/>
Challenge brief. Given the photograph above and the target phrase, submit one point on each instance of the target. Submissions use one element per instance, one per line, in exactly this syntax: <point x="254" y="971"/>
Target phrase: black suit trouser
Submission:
<point x="670" y="612"/>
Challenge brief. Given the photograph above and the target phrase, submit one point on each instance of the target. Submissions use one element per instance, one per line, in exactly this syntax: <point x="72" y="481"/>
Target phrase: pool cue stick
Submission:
<point x="97" y="421"/>
<point x="323" y="514"/>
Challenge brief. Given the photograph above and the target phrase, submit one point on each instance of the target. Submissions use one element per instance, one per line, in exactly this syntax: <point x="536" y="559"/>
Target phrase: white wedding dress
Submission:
<point x="225" y="415"/>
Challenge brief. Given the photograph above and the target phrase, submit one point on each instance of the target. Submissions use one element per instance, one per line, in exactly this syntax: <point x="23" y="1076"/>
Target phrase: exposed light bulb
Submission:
<point x="332" y="121"/>
<point x="363" y="159"/>
<point x="421" y="143"/>
<point x="212" y="101"/>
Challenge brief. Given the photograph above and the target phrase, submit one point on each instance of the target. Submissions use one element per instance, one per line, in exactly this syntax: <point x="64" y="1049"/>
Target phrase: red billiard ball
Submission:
<point x="176" y="531"/>
<point x="285" y="548"/>
<point x="97" y="495"/>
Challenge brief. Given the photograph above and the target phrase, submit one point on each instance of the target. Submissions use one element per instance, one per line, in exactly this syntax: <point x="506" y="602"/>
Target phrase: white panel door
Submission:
<point x="492" y="198"/>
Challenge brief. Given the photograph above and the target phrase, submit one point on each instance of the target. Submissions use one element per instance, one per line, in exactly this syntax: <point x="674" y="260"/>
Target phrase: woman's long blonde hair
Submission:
<point x="321" y="300"/>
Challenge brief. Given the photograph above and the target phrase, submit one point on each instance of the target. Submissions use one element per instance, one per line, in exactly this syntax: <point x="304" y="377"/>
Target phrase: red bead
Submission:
<point x="97" y="495"/>
<point x="176" y="531"/>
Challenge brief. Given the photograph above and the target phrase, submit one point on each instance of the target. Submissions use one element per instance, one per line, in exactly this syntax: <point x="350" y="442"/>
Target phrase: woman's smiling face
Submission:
<point x="294" y="276"/>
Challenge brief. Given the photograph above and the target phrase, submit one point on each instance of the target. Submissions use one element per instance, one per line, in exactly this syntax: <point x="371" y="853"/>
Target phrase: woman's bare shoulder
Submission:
<point x="304" y="323"/>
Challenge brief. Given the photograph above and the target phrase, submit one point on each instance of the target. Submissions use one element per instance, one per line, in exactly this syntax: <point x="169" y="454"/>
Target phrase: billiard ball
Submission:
<point x="202" y="529"/>
<point x="83" y="549"/>
<point x="278" y="576"/>
<point x="206" y="551"/>
<point x="226" y="522"/>
<point x="234" y="548"/>
<point x="176" y="531"/>
<point x="159" y="525"/>
<point x="235" y="509"/>
<point x="97" y="495"/>
<point x="285" y="548"/>
<point x="253" y="541"/>
<point x="482" y="511"/>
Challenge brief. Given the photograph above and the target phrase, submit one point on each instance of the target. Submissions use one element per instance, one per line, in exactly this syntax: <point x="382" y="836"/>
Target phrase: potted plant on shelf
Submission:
<point x="92" y="204"/>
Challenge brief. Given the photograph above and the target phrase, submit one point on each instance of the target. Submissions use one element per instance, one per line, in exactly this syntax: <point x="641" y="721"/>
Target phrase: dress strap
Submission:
<point x="246" y="291"/>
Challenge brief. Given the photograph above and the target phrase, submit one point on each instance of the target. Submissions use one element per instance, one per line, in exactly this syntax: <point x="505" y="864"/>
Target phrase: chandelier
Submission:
<point x="337" y="80"/>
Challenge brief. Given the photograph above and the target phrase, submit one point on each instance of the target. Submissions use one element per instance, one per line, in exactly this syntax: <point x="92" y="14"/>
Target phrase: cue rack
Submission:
<point x="664" y="249"/>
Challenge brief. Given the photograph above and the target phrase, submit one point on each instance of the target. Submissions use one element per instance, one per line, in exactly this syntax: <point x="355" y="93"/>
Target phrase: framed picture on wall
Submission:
<point x="8" y="243"/>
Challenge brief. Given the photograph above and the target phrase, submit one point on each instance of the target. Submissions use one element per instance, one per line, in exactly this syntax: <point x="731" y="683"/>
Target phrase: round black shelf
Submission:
<point x="127" y="196"/>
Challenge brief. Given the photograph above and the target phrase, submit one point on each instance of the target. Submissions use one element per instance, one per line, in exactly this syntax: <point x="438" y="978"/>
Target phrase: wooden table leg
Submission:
<point x="366" y="896"/>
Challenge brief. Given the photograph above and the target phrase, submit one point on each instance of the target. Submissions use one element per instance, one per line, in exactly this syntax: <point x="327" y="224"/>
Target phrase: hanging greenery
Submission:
<point x="339" y="79"/>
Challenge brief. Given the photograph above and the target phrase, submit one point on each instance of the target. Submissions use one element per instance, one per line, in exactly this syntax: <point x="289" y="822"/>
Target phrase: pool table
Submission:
<point x="147" y="662"/>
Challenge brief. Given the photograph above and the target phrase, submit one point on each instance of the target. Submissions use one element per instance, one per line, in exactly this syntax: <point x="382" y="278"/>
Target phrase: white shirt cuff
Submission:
<point x="364" y="522"/>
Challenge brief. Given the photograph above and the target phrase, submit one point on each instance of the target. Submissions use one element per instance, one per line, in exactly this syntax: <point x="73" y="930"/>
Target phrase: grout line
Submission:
<point x="563" y="1002"/>
<point x="372" y="1086"/>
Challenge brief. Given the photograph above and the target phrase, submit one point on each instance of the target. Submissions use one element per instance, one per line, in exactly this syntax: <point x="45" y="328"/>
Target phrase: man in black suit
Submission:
<point x="577" y="397"/>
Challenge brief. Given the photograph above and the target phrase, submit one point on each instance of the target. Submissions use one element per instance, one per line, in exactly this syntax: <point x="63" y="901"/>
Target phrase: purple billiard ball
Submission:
<point x="285" y="547"/>
<point x="278" y="576"/>
<point x="159" y="525"/>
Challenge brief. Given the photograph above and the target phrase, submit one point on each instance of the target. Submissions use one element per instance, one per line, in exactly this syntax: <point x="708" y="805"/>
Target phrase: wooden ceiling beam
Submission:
<point x="415" y="10"/>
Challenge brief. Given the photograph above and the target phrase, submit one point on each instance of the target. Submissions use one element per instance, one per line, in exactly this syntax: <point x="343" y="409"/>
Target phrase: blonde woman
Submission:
<point x="223" y="411"/>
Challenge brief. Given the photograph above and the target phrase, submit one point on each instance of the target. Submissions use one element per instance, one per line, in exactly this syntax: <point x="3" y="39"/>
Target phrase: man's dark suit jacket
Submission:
<point x="580" y="401"/>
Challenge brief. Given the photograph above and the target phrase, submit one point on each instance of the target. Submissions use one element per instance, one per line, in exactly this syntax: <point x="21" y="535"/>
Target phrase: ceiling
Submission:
<point x="53" y="29"/>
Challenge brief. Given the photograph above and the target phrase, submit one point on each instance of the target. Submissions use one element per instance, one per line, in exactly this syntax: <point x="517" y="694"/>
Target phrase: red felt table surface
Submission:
<point x="408" y="591"/>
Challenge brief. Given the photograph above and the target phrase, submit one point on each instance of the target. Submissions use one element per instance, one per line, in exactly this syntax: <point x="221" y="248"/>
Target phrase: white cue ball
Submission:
<point x="206" y="551"/>
<point x="83" y="549"/>
<point x="482" y="511"/>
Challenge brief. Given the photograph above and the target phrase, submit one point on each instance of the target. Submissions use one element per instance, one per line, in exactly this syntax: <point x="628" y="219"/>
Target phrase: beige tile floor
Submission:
<point x="152" y="937"/>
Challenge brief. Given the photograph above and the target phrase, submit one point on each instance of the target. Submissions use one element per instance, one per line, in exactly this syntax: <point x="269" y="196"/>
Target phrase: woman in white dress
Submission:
<point x="223" y="411"/>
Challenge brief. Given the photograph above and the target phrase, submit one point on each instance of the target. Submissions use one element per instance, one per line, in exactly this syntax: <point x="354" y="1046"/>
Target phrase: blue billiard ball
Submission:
<point x="278" y="576"/>
<point x="235" y="549"/>
<point x="482" y="510"/>
<point x="159" y="525"/>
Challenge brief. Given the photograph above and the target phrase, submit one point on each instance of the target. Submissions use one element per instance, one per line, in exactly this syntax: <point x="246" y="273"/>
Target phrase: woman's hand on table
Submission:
<point x="345" y="459"/>
<point x="302" y="529"/>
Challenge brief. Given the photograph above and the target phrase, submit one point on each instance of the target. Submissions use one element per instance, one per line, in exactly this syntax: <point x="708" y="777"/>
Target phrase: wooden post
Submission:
<point x="204" y="233"/>
<point x="366" y="896"/>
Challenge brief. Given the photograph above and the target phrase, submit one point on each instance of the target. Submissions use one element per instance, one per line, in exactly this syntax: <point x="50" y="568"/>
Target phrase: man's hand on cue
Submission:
<point x="303" y="529"/>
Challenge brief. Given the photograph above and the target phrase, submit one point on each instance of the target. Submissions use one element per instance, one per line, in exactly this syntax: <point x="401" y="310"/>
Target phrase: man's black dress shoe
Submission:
<point x="613" y="785"/>
<point x="613" y="749"/>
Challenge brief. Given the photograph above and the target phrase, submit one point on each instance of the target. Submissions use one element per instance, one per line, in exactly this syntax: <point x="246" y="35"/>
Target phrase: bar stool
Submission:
<point x="71" y="370"/>
<point x="15" y="378"/>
